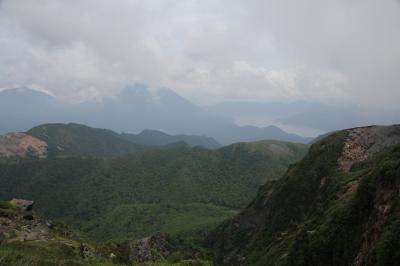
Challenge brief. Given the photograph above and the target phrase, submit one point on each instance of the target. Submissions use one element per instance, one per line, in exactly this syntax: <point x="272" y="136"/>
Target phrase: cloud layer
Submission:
<point x="332" y="51"/>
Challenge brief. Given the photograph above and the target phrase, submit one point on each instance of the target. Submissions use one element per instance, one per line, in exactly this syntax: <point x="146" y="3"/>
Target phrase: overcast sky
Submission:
<point x="341" y="51"/>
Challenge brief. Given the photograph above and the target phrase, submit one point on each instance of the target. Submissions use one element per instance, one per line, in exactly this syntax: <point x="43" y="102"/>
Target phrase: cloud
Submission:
<point x="209" y="51"/>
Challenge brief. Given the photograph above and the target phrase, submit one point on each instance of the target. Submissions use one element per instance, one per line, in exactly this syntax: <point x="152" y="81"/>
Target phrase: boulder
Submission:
<point x="26" y="205"/>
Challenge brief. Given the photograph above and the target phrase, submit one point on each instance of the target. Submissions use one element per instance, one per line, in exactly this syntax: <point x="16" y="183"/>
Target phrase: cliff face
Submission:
<point x="338" y="206"/>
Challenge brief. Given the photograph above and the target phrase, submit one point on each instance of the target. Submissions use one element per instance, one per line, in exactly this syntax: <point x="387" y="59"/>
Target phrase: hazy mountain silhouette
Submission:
<point x="134" y="109"/>
<point x="307" y="114"/>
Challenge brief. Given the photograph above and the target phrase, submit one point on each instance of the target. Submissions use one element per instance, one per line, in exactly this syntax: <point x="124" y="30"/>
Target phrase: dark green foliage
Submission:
<point x="387" y="251"/>
<point x="80" y="140"/>
<point x="158" y="138"/>
<point x="132" y="221"/>
<point x="301" y="182"/>
<point x="338" y="236"/>
<point x="174" y="190"/>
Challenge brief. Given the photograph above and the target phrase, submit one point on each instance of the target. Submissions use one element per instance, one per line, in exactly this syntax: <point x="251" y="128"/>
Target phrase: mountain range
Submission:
<point x="254" y="203"/>
<point x="133" y="110"/>
<point x="51" y="140"/>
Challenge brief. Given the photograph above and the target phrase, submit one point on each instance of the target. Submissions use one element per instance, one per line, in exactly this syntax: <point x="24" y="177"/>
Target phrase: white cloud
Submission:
<point x="332" y="51"/>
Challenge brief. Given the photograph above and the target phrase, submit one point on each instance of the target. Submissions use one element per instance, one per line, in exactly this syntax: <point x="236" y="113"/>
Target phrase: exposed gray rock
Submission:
<point x="363" y="142"/>
<point x="144" y="250"/>
<point x="26" y="205"/>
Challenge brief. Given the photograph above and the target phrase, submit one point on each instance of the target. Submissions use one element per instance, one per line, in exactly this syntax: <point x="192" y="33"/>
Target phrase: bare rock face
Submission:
<point x="22" y="145"/>
<point x="143" y="250"/>
<point x="363" y="142"/>
<point x="26" y="205"/>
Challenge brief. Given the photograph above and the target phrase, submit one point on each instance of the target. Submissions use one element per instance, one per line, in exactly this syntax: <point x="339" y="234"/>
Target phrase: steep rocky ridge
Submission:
<point x="338" y="206"/>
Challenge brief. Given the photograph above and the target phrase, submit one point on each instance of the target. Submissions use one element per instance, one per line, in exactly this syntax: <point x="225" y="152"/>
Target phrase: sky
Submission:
<point x="334" y="51"/>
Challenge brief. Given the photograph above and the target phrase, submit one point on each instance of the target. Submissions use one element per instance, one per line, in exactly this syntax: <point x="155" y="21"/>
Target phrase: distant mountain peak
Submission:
<point x="134" y="91"/>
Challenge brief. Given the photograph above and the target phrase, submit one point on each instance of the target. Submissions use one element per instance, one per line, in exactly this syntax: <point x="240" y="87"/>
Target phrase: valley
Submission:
<point x="109" y="189"/>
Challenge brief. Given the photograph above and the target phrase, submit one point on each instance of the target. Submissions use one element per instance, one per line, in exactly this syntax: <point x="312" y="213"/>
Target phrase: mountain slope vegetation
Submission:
<point x="337" y="206"/>
<point x="168" y="184"/>
<point x="159" y="138"/>
<point x="27" y="238"/>
<point x="79" y="140"/>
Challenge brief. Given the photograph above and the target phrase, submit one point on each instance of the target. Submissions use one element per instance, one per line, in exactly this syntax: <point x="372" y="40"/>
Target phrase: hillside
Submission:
<point x="80" y="140"/>
<point x="159" y="138"/>
<point x="337" y="206"/>
<point x="27" y="238"/>
<point x="174" y="190"/>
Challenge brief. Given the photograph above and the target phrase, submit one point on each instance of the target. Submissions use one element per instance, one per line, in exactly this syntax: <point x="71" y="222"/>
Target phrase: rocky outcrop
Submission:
<point x="28" y="239"/>
<point x="363" y="142"/>
<point x="22" y="145"/>
<point x="26" y="205"/>
<point x="149" y="248"/>
<point x="18" y="223"/>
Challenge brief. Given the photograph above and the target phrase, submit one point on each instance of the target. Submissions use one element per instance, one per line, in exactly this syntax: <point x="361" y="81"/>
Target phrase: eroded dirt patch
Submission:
<point x="22" y="145"/>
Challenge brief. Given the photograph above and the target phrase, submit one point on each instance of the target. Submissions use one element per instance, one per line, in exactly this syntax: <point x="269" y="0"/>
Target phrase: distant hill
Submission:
<point x="337" y="206"/>
<point x="179" y="190"/>
<point x="80" y="140"/>
<point x="134" y="109"/>
<point x="159" y="138"/>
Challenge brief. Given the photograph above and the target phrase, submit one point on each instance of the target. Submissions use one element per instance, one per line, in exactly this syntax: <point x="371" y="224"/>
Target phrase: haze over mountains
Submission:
<point x="136" y="109"/>
<point x="131" y="111"/>
<point x="303" y="117"/>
